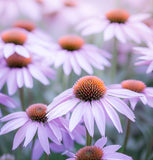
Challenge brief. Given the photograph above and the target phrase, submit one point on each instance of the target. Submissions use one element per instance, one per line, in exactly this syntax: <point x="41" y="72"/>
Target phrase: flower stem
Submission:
<point x="126" y="135"/>
<point x="150" y="145"/>
<point x="47" y="157"/>
<point x="88" y="138"/>
<point x="21" y="94"/>
<point x="114" y="62"/>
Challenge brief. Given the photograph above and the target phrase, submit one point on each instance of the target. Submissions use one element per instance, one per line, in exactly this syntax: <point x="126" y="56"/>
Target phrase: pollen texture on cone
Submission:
<point x="17" y="61"/>
<point x="37" y="112"/>
<point x="117" y="16"/>
<point x="89" y="153"/>
<point x="27" y="25"/>
<point x="89" y="88"/>
<point x="14" y="36"/>
<point x="133" y="85"/>
<point x="71" y="42"/>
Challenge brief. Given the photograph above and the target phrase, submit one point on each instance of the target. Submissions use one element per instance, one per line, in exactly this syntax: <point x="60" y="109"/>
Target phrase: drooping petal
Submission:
<point x="36" y="73"/>
<point x="8" y="50"/>
<point x="56" y="130"/>
<point x="12" y="125"/>
<point x="122" y="93"/>
<point x="76" y="116"/>
<point x="83" y="63"/>
<point x="43" y="138"/>
<point x="99" y="117"/>
<point x="121" y="107"/>
<point x="62" y="109"/>
<point x="22" y="51"/>
<point x="30" y="133"/>
<point x="112" y="115"/>
<point x="89" y="119"/>
<point x="19" y="78"/>
<point x="14" y="116"/>
<point x="11" y="82"/>
<point x="27" y="78"/>
<point x="61" y="98"/>
<point x="7" y="101"/>
<point x="19" y="136"/>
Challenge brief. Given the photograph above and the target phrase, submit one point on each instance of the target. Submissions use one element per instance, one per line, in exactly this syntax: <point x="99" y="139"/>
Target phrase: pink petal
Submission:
<point x="43" y="138"/>
<point x="37" y="150"/>
<point x="99" y="117"/>
<point x="109" y="32"/>
<point x="36" y="73"/>
<point x="19" y="136"/>
<point x="150" y="68"/>
<point x="27" y="78"/>
<point x="112" y="115"/>
<point x="11" y="82"/>
<point x="61" y="98"/>
<point x="7" y="101"/>
<point x="89" y="119"/>
<point x="119" y="33"/>
<point x="122" y="93"/>
<point x="12" y="125"/>
<point x="14" y="116"/>
<point x="76" y="116"/>
<point x="62" y="109"/>
<point x="101" y="142"/>
<point x="30" y="133"/>
<point x="118" y="156"/>
<point x="8" y="50"/>
<point x="22" y="51"/>
<point x="67" y="65"/>
<point x="133" y="102"/>
<point x="19" y="78"/>
<point x="111" y="148"/>
<point x="56" y="130"/>
<point x="75" y="65"/>
<point x="121" y="107"/>
<point x="84" y="63"/>
<point x="60" y="59"/>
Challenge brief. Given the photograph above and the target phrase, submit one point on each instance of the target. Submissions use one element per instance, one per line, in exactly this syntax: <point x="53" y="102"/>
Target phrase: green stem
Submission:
<point x="150" y="145"/>
<point x="47" y="157"/>
<point x="126" y="135"/>
<point x="21" y="94"/>
<point x="114" y="61"/>
<point x="88" y="138"/>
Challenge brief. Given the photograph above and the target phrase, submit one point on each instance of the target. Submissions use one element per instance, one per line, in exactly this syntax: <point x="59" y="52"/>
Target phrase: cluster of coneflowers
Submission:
<point x="28" y="53"/>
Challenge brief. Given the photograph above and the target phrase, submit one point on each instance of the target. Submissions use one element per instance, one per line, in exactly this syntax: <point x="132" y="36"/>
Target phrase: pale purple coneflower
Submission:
<point x="73" y="53"/>
<point x="33" y="120"/>
<point x="139" y="87"/>
<point x="120" y="24"/>
<point x="146" y="57"/>
<point x="18" y="71"/>
<point x="99" y="152"/>
<point x="17" y="40"/>
<point x="89" y="99"/>
<point x="11" y="10"/>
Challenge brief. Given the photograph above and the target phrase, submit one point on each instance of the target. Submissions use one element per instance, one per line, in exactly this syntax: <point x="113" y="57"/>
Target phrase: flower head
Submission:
<point x="19" y="41"/>
<point x="17" y="71"/>
<point x="139" y="87"/>
<point x="33" y="120"/>
<point x="73" y="53"/>
<point x="99" y="152"/>
<point x="120" y="24"/>
<point x="90" y="99"/>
